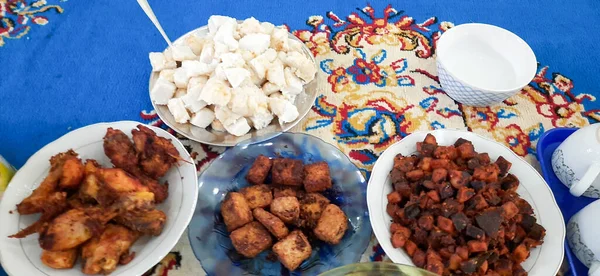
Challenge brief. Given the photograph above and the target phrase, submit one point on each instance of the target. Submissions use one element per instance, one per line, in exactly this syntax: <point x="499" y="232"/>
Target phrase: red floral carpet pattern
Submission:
<point x="378" y="83"/>
<point x="17" y="17"/>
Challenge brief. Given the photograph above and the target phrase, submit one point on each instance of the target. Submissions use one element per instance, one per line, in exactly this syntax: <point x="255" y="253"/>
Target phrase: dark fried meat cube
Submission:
<point x="293" y="250"/>
<point x="411" y="211"/>
<point x="466" y="150"/>
<point x="484" y="158"/>
<point x="259" y="170"/>
<point x="415" y="175"/>
<point x="461" y="141"/>
<point x="332" y="225"/>
<point x="445" y="224"/>
<point x="509" y="210"/>
<point x="460" y="221"/>
<point x="430" y="139"/>
<point x="235" y="211"/>
<point x="503" y="164"/>
<point x="459" y="178"/>
<point x="392" y="209"/>
<point x="490" y="221"/>
<point x="524" y="206"/>
<point x="440" y="163"/>
<point x="448" y="152"/>
<point x="527" y="221"/>
<point x="425" y="164"/>
<point x="429" y="184"/>
<point x="503" y="267"/>
<point x="271" y="222"/>
<point x="439" y="175"/>
<point x="426" y="150"/>
<point x="404" y="163"/>
<point x="311" y="207"/>
<point x="287" y="172"/>
<point x="316" y="177"/>
<point x="491" y="196"/>
<point x="537" y="232"/>
<point x="464" y="194"/>
<point x="474" y="232"/>
<point x="446" y="191"/>
<point x="251" y="239"/>
<point x="450" y="207"/>
<point x="286" y="208"/>
<point x="419" y="258"/>
<point x="425" y="222"/>
<point x="487" y="173"/>
<point x="473" y="163"/>
<point x="257" y="196"/>
<point x="282" y="191"/>
<point x="510" y="183"/>
<point x="477" y="185"/>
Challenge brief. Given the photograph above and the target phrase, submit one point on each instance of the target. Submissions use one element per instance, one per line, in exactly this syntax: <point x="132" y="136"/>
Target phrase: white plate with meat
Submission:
<point x="542" y="259"/>
<point x="154" y="232"/>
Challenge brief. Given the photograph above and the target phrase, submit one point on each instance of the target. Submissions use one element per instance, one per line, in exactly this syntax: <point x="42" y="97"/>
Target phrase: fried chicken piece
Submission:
<point x="35" y="202"/>
<point x="149" y="222"/>
<point x="157" y="154"/>
<point x="54" y="205"/>
<point x="119" y="181"/>
<point x="119" y="149"/>
<point x="72" y="173"/>
<point x="88" y="191"/>
<point x="68" y="231"/>
<point x="102" y="254"/>
<point x="121" y="152"/>
<point x="59" y="259"/>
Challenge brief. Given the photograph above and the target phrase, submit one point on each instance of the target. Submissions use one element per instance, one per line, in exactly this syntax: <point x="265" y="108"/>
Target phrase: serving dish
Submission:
<point x="22" y="256"/>
<point x="544" y="260"/>
<point x="569" y="204"/>
<point x="208" y="236"/>
<point x="377" y="269"/>
<point x="303" y="103"/>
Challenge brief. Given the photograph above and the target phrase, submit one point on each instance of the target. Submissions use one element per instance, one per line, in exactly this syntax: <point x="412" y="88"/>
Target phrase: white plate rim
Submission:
<point x="546" y="264"/>
<point x="40" y="159"/>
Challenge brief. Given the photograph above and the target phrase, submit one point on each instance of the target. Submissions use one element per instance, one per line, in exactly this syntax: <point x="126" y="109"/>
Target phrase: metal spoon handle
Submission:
<point x="148" y="10"/>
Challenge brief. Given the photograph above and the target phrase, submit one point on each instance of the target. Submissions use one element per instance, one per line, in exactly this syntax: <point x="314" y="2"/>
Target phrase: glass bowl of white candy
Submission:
<point x="233" y="80"/>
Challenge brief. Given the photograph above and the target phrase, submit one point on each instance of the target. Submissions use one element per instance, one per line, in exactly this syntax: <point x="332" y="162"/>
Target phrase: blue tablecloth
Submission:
<point x="67" y="64"/>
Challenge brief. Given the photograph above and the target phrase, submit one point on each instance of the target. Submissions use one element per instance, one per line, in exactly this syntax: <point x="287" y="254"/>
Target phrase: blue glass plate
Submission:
<point x="210" y="241"/>
<point x="569" y="205"/>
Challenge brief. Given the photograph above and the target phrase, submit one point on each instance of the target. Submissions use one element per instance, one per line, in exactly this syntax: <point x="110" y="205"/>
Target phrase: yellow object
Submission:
<point x="6" y="173"/>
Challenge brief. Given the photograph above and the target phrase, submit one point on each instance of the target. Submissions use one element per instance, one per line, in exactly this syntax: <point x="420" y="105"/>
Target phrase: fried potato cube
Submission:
<point x="415" y="175"/>
<point x="504" y="165"/>
<point x="287" y="172"/>
<point x="257" y="196"/>
<point x="311" y="208"/>
<point x="271" y="222"/>
<point x="251" y="239"/>
<point x="235" y="211"/>
<point x="430" y="139"/>
<point x="440" y="163"/>
<point x="72" y="173"/>
<point x="332" y="225"/>
<point x="443" y="152"/>
<point x="286" y="208"/>
<point x="317" y="177"/>
<point x="282" y="191"/>
<point x="293" y="250"/>
<point x="488" y="173"/>
<point x="404" y="163"/>
<point x="477" y="246"/>
<point x="466" y="150"/>
<point x="259" y="170"/>
<point x="59" y="259"/>
<point x="439" y="175"/>
<point x="445" y="224"/>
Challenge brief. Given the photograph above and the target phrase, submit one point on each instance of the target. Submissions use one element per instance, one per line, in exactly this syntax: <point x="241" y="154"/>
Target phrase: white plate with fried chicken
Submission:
<point x="109" y="198"/>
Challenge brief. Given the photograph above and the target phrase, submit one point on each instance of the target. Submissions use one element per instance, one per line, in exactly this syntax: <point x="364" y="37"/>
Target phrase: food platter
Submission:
<point x="22" y="256"/>
<point x="303" y="103"/>
<point x="544" y="260"/>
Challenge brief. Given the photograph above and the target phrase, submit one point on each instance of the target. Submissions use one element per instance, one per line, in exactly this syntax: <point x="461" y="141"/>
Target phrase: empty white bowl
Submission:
<point x="481" y="64"/>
